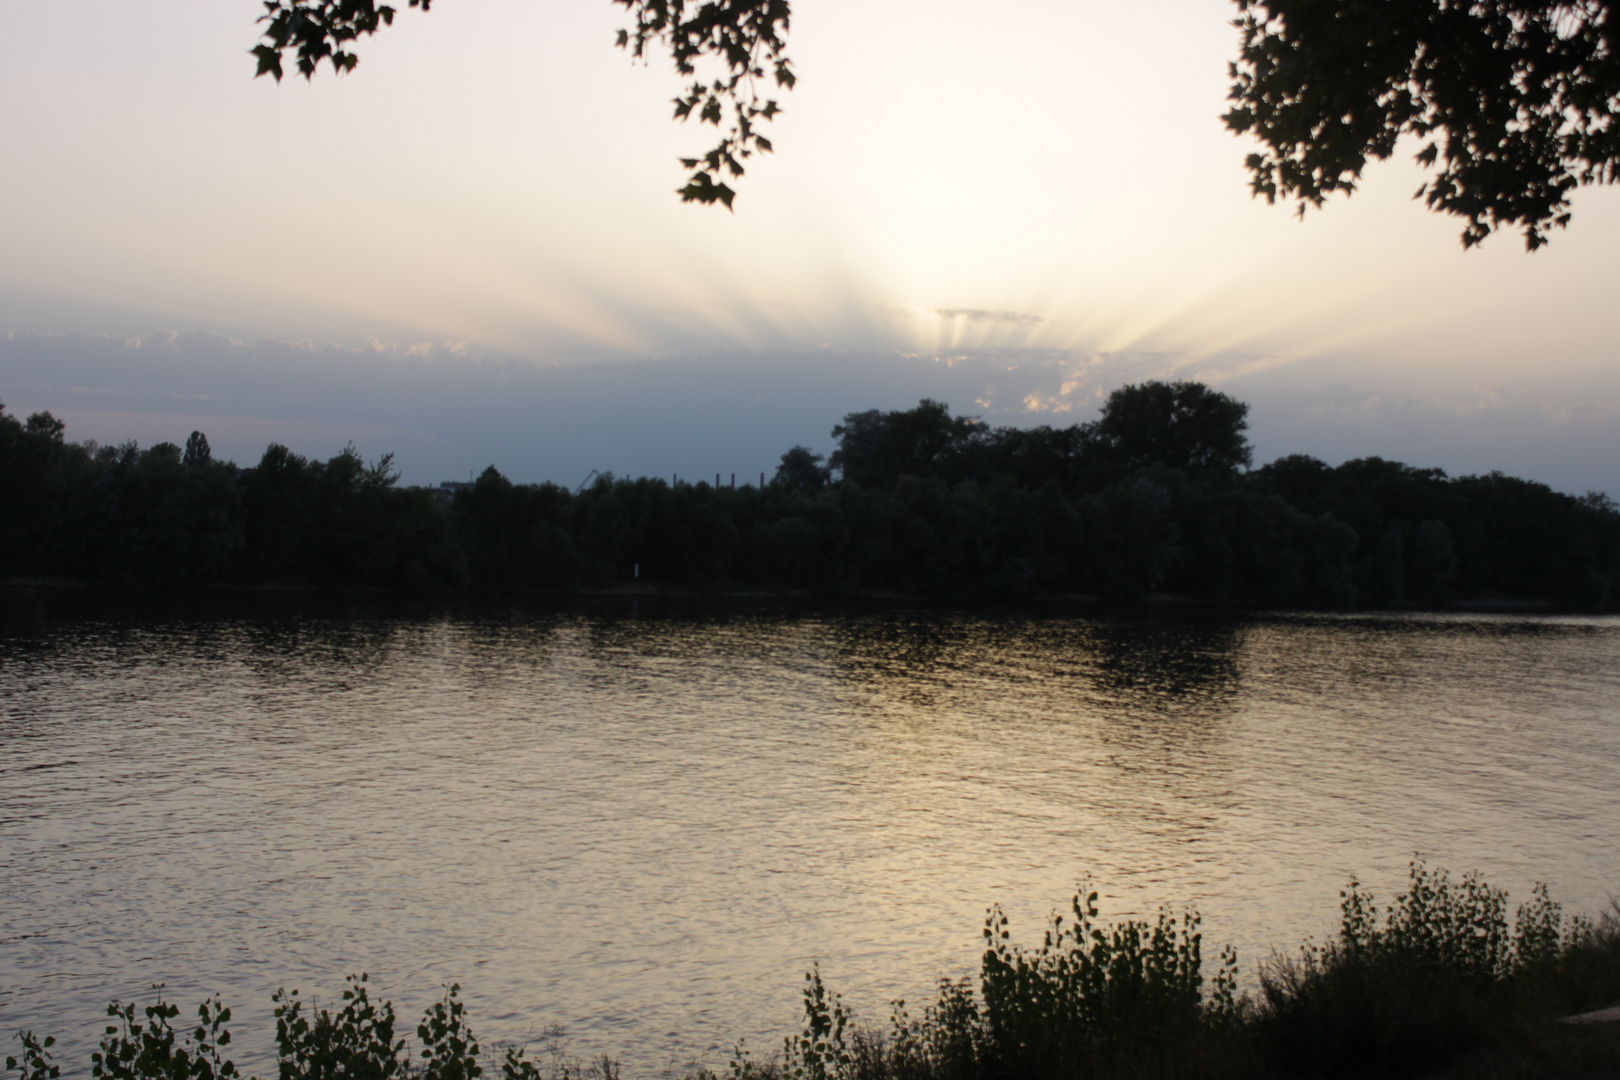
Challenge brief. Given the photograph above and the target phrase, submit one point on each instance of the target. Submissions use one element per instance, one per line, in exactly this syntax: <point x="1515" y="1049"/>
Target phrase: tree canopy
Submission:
<point x="1184" y="426"/>
<point x="1514" y="101"/>
<point x="876" y="448"/>
<point x="1181" y="425"/>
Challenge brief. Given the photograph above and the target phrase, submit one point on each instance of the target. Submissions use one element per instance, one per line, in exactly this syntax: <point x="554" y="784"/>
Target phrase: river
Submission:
<point x="640" y="823"/>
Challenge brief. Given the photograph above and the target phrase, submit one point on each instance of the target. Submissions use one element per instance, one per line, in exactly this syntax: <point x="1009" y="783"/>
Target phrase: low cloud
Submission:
<point x="983" y="315"/>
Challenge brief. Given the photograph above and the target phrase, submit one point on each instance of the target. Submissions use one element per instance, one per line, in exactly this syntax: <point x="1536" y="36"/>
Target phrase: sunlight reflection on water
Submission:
<point x="644" y="828"/>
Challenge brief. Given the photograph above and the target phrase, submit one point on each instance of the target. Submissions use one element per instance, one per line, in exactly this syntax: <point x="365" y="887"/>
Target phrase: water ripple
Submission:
<point x="644" y="829"/>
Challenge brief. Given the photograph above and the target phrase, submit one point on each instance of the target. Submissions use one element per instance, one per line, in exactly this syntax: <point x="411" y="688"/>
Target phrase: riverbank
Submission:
<point x="21" y="586"/>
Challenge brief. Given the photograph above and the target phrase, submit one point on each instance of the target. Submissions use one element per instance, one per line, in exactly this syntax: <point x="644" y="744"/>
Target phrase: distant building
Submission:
<point x="445" y="493"/>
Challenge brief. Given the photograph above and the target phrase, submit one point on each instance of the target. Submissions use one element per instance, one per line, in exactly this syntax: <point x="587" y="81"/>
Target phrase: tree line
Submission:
<point x="1156" y="496"/>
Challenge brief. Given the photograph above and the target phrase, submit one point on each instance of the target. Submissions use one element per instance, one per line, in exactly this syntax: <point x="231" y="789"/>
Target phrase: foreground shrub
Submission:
<point x="357" y="1043"/>
<point x="150" y="1050"/>
<point x="1438" y="973"/>
<point x="1089" y="1001"/>
<point x="1586" y="974"/>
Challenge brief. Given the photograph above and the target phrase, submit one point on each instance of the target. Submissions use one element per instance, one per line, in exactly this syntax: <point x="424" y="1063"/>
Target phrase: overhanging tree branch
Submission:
<point x="1515" y="101"/>
<point x="747" y="39"/>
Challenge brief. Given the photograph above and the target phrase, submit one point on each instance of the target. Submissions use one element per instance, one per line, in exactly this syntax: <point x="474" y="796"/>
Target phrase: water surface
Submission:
<point x="643" y="824"/>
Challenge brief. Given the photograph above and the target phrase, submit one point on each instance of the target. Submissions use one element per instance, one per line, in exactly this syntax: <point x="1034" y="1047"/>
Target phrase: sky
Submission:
<point x="469" y="251"/>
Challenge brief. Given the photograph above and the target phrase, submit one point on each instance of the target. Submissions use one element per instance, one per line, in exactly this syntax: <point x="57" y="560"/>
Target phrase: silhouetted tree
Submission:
<point x="45" y="486"/>
<point x="801" y="470"/>
<point x="1034" y="456"/>
<point x="1181" y="425"/>
<point x="517" y="538"/>
<point x="44" y="425"/>
<point x="876" y="448"/>
<point x="1434" y="562"/>
<point x="197" y="451"/>
<point x="1297" y="478"/>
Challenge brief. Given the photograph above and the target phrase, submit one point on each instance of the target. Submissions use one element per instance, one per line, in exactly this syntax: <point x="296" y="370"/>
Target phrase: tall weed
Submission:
<point x="133" y="1049"/>
<point x="1089" y="1000"/>
<point x="355" y="1043"/>
<point x="35" y="1063"/>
